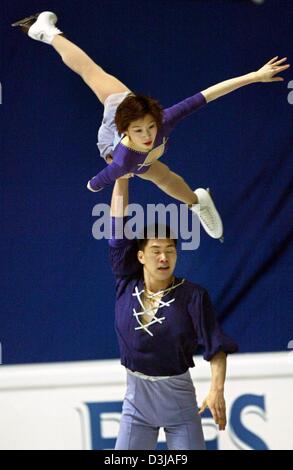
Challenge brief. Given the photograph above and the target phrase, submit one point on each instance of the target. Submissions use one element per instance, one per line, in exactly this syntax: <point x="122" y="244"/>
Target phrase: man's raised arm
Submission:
<point x="119" y="200"/>
<point x="123" y="252"/>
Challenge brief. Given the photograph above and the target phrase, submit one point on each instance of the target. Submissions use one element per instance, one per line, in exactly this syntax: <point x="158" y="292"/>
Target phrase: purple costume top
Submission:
<point x="126" y="160"/>
<point x="184" y="321"/>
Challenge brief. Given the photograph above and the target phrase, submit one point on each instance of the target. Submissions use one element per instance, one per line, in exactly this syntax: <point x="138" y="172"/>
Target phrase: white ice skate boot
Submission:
<point x="44" y="28"/>
<point x="208" y="214"/>
<point x="40" y="26"/>
<point x="25" y="23"/>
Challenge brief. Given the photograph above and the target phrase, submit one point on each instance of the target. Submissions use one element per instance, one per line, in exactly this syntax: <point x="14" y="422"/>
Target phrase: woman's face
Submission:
<point x="142" y="133"/>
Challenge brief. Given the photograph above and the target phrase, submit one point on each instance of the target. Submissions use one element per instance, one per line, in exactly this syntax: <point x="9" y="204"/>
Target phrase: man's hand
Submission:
<point x="215" y="401"/>
<point x="268" y="72"/>
<point x="126" y="177"/>
<point x="109" y="159"/>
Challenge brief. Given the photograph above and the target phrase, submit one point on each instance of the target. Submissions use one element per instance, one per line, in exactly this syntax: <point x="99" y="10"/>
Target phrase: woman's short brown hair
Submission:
<point x="135" y="107"/>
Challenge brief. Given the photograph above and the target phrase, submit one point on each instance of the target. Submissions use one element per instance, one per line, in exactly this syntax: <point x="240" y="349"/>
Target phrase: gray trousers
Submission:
<point x="169" y="403"/>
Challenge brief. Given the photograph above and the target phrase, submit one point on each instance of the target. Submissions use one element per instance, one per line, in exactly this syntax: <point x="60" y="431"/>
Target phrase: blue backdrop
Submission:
<point x="57" y="292"/>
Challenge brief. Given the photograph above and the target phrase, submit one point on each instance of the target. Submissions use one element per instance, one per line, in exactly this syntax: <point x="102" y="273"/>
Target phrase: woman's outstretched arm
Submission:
<point x="267" y="73"/>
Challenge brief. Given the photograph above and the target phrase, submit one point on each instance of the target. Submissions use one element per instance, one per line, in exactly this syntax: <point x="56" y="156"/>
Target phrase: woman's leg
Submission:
<point x="100" y="82"/>
<point x="200" y="203"/>
<point x="169" y="182"/>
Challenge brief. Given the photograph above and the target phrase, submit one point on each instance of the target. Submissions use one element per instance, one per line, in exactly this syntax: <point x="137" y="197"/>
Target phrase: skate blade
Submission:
<point x="25" y="20"/>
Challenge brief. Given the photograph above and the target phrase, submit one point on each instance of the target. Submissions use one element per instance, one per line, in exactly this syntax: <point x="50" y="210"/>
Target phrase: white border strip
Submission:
<point x="95" y="373"/>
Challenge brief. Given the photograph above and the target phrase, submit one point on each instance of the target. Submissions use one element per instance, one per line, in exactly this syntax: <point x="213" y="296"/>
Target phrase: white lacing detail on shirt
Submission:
<point x="150" y="311"/>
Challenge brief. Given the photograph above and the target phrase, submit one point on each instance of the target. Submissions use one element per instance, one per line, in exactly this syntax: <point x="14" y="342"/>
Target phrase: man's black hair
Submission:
<point x="155" y="231"/>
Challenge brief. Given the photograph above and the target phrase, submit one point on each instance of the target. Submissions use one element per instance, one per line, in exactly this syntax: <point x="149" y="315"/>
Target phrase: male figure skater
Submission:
<point x="160" y="321"/>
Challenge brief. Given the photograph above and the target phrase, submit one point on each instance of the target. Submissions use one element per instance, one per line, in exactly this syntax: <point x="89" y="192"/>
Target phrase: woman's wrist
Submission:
<point x="254" y="77"/>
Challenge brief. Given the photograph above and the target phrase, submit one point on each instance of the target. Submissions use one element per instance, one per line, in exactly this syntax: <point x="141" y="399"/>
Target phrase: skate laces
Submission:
<point x="144" y="297"/>
<point x="207" y="217"/>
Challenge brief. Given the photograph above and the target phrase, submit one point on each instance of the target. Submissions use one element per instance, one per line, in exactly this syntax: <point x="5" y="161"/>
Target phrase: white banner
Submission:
<point x="78" y="405"/>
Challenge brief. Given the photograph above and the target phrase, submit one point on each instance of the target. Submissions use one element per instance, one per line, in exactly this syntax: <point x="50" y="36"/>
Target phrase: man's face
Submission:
<point x="159" y="258"/>
<point x="142" y="133"/>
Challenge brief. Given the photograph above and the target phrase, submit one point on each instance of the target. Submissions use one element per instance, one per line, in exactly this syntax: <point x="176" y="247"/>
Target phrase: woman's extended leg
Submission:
<point x="100" y="82"/>
<point x="199" y="202"/>
<point x="42" y="27"/>
<point x="169" y="182"/>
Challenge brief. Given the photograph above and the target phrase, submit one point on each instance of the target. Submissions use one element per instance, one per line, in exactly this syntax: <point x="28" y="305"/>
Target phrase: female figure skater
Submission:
<point x="144" y="126"/>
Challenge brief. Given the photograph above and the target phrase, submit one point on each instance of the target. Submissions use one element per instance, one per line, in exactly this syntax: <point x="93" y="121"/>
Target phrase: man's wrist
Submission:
<point x="109" y="159"/>
<point x="122" y="182"/>
<point x="217" y="388"/>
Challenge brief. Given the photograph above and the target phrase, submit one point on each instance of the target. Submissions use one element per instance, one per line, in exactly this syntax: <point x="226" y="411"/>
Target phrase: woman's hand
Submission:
<point x="268" y="72"/>
<point x="91" y="189"/>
